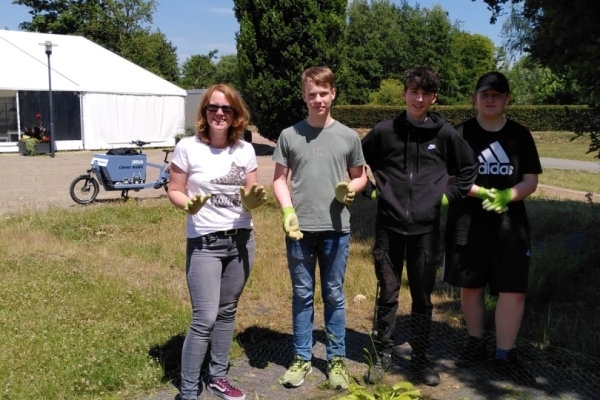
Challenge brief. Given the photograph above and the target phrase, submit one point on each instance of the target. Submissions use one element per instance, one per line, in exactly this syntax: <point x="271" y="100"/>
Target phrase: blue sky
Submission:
<point x="199" y="26"/>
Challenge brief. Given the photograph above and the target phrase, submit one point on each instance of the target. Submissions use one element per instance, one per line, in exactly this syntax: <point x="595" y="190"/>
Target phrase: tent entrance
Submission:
<point x="9" y="126"/>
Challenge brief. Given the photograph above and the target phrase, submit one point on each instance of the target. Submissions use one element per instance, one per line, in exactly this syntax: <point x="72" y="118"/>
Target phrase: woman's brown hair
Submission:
<point x="241" y="116"/>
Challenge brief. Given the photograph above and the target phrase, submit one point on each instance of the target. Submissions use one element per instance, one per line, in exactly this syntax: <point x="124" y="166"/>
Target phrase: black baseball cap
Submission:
<point x="492" y="80"/>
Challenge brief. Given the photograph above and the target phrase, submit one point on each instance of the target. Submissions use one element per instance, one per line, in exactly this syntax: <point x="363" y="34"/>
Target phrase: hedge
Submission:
<point x="536" y="118"/>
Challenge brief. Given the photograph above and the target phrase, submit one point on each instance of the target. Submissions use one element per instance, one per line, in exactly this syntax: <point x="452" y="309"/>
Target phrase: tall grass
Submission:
<point x="89" y="297"/>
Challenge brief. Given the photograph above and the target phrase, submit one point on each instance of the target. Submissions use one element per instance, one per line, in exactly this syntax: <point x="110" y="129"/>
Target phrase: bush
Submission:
<point x="389" y="93"/>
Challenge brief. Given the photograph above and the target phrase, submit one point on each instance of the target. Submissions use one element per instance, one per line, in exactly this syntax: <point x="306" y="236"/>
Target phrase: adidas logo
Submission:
<point x="494" y="161"/>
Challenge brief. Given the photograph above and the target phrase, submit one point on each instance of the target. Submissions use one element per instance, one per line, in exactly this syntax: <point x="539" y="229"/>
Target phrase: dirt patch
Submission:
<point x="560" y="193"/>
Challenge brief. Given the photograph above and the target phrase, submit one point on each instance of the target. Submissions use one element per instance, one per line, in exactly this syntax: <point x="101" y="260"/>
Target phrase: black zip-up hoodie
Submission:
<point x="411" y="165"/>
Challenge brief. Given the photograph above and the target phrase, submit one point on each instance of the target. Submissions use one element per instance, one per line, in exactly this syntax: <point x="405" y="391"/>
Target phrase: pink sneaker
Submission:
<point x="220" y="387"/>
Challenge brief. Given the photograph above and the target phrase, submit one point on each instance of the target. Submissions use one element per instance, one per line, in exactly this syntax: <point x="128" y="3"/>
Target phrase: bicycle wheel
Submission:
<point x="84" y="189"/>
<point x="166" y="185"/>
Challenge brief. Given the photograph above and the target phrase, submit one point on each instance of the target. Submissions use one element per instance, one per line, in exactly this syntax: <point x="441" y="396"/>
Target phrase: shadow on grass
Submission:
<point x="168" y="355"/>
<point x="257" y="343"/>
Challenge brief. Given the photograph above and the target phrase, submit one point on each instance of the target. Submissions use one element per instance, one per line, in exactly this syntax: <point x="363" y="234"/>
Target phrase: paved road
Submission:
<point x="571" y="164"/>
<point x="32" y="183"/>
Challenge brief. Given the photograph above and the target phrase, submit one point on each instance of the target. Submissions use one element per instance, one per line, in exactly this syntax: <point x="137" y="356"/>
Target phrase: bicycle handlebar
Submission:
<point x="139" y="143"/>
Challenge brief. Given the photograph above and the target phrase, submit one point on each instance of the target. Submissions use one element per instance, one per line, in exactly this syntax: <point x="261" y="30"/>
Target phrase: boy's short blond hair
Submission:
<point x="321" y="76"/>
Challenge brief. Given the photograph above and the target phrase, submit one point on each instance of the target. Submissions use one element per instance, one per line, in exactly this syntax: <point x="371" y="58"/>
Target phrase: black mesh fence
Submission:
<point x="542" y="372"/>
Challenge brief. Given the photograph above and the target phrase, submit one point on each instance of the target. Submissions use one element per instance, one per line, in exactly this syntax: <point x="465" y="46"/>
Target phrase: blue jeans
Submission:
<point x="331" y="249"/>
<point x="217" y="268"/>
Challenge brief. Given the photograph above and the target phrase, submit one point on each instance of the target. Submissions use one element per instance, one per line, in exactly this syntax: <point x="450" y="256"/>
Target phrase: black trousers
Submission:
<point x="422" y="255"/>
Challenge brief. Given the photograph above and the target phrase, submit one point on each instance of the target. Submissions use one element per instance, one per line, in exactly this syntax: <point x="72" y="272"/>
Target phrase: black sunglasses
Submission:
<point x="213" y="108"/>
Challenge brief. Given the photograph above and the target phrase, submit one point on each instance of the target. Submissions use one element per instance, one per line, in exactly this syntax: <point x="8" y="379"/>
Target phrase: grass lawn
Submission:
<point x="583" y="181"/>
<point x="563" y="145"/>
<point x="93" y="299"/>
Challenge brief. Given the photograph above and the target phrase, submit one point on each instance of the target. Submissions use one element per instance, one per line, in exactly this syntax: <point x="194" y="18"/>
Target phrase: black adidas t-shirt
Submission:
<point x="504" y="157"/>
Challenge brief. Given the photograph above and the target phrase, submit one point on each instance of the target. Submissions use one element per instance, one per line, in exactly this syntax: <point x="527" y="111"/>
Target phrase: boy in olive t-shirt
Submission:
<point x="317" y="152"/>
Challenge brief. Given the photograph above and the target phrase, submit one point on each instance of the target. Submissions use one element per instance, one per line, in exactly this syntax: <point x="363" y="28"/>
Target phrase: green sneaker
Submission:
<point x="338" y="374"/>
<point x="294" y="376"/>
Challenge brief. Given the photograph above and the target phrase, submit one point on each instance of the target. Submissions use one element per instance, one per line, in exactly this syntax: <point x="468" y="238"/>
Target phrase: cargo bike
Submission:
<point x="119" y="169"/>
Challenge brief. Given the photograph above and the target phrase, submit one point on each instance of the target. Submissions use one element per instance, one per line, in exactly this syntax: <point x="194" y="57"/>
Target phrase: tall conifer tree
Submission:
<point x="277" y="41"/>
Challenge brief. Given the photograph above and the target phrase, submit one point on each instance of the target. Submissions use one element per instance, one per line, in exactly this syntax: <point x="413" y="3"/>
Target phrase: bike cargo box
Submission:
<point x="123" y="169"/>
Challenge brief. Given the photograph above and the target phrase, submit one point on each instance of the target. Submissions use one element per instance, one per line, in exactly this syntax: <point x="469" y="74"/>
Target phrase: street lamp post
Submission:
<point x="49" y="46"/>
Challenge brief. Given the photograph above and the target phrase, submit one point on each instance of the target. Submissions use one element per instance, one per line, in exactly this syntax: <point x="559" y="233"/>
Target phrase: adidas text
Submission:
<point x="495" y="169"/>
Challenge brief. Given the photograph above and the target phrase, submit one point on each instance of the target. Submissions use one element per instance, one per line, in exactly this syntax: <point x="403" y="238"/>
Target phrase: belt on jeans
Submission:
<point x="230" y="232"/>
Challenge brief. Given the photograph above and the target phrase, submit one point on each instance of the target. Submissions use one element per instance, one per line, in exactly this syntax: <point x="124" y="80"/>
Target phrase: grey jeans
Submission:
<point x="217" y="268"/>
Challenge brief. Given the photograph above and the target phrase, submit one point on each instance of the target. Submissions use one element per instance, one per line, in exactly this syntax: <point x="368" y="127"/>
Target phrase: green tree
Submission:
<point x="362" y="69"/>
<point x="536" y="85"/>
<point x="375" y="42"/>
<point x="226" y="71"/>
<point x="435" y="50"/>
<point x="385" y="39"/>
<point x="472" y="56"/>
<point x="198" y="71"/>
<point x="516" y="33"/>
<point x="565" y="37"/>
<point x="277" y="41"/>
<point x="121" y="26"/>
<point x="154" y="52"/>
<point x="562" y="35"/>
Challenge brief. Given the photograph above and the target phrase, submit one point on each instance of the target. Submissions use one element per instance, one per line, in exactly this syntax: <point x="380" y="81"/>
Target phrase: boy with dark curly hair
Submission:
<point x="410" y="157"/>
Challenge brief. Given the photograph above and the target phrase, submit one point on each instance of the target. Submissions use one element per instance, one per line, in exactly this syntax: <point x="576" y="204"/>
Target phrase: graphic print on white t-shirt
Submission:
<point x="494" y="161"/>
<point x="235" y="178"/>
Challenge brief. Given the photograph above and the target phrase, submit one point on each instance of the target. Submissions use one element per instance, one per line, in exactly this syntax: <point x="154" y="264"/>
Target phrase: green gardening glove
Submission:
<point x="445" y="201"/>
<point x="344" y="193"/>
<point x="370" y="191"/>
<point x="484" y="194"/>
<point x="256" y="197"/>
<point x="498" y="204"/>
<point x="291" y="225"/>
<point x="194" y="204"/>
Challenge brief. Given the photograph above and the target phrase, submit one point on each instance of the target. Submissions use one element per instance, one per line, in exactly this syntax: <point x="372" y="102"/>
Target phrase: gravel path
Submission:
<point x="39" y="182"/>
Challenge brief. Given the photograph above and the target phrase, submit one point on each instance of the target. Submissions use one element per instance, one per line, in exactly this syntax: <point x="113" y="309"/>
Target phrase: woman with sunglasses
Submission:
<point x="214" y="180"/>
<point x="487" y="233"/>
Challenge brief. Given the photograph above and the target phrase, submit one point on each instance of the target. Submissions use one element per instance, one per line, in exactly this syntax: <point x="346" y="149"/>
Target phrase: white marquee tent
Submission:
<point x="111" y="99"/>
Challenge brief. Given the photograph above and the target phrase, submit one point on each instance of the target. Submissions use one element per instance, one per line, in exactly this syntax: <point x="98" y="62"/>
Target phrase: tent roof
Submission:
<point x="77" y="65"/>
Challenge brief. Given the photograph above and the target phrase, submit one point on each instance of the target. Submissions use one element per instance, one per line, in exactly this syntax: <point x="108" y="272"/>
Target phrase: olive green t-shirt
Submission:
<point x="318" y="159"/>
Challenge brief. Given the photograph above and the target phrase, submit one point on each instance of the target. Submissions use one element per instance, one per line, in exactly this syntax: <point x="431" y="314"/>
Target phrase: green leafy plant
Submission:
<point x="34" y="135"/>
<point x="399" y="391"/>
<point x="381" y="390"/>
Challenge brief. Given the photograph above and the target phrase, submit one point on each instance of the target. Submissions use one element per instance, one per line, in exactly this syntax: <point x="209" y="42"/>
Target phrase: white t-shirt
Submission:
<point x="220" y="172"/>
